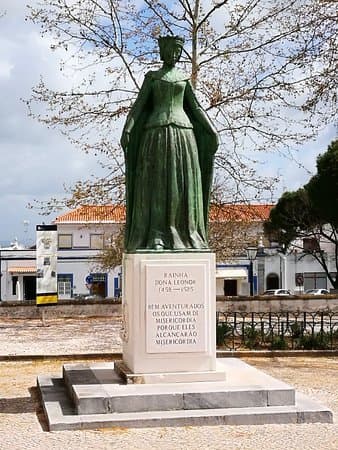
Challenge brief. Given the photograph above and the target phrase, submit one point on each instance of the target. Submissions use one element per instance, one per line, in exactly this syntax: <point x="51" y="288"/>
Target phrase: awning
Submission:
<point x="232" y="274"/>
<point x="24" y="269"/>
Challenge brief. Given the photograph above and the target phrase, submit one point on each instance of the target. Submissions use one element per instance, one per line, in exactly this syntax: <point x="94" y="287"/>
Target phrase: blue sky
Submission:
<point x="36" y="161"/>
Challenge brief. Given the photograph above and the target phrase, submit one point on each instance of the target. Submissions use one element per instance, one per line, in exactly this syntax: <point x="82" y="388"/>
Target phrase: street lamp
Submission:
<point x="251" y="253"/>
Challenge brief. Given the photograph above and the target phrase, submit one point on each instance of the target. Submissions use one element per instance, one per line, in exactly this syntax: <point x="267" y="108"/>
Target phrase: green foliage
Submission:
<point x="223" y="331"/>
<point x="323" y="187"/>
<point x="317" y="341"/>
<point x="310" y="212"/>
<point x="278" y="343"/>
<point x="292" y="214"/>
<point x="251" y="337"/>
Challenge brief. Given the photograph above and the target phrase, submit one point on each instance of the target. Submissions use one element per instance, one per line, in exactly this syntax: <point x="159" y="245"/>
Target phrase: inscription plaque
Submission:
<point x="176" y="308"/>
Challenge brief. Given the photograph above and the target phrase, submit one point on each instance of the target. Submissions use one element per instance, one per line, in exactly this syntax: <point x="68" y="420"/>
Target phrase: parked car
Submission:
<point x="317" y="292"/>
<point x="279" y="292"/>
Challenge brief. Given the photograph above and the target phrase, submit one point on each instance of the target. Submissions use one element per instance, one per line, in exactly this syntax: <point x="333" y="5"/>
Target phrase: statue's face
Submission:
<point x="170" y="53"/>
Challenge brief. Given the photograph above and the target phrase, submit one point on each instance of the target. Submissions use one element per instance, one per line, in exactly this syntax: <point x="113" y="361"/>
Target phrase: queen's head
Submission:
<point x="170" y="49"/>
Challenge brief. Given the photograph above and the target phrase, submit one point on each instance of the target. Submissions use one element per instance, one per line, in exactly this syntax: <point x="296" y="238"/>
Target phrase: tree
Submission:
<point x="111" y="255"/>
<point x="264" y="71"/>
<point x="232" y="228"/>
<point x="323" y="187"/>
<point x="311" y="214"/>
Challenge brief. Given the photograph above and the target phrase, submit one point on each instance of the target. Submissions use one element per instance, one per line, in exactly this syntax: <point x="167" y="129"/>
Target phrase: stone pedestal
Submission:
<point x="92" y="396"/>
<point x="169" y="376"/>
<point x="169" y="308"/>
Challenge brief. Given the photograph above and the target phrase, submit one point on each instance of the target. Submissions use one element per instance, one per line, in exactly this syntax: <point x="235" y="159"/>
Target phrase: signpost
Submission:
<point x="89" y="282"/>
<point x="46" y="264"/>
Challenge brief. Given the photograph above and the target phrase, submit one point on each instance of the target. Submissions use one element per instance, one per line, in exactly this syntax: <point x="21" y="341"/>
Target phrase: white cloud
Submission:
<point x="35" y="161"/>
<point x="5" y="69"/>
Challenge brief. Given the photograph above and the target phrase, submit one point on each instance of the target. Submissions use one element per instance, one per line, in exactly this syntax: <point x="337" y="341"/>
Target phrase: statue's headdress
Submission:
<point x="165" y="40"/>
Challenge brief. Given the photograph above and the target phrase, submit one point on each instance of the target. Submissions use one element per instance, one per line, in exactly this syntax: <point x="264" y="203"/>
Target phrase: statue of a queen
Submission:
<point x="169" y="144"/>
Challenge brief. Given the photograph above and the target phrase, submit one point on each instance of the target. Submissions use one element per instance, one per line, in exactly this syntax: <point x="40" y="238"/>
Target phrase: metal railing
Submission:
<point x="277" y="331"/>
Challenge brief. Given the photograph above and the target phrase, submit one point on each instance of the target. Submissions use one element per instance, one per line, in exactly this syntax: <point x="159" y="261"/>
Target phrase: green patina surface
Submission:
<point x="169" y="146"/>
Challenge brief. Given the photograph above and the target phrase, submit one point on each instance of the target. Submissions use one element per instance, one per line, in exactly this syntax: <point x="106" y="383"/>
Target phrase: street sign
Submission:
<point x="89" y="279"/>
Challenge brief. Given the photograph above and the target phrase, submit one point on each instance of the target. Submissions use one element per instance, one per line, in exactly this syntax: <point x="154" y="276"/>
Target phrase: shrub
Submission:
<point x="251" y="337"/>
<point x="296" y="330"/>
<point x="278" y="343"/>
<point x="223" y="331"/>
<point x="319" y="341"/>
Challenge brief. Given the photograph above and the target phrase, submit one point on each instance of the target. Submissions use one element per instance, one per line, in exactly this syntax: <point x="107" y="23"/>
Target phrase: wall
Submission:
<point x="303" y="304"/>
<point x="26" y="310"/>
<point x="81" y="232"/>
<point x="109" y="308"/>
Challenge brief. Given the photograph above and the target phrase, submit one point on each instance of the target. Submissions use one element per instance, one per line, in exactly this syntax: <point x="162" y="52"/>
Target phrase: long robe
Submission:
<point x="169" y="166"/>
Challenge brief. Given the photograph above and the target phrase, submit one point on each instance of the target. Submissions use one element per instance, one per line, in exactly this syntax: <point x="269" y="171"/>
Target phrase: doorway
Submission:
<point x="99" y="286"/>
<point x="29" y="288"/>
<point x="230" y="288"/>
<point x="272" y="281"/>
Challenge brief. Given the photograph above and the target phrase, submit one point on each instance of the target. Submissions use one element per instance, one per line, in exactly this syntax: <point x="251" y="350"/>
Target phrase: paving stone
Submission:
<point x="22" y="425"/>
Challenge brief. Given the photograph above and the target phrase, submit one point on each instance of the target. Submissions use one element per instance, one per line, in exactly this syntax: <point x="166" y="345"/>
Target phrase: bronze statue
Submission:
<point x="169" y="146"/>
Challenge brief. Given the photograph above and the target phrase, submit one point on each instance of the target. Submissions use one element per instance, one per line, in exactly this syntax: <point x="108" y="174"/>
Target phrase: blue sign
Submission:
<point x="89" y="279"/>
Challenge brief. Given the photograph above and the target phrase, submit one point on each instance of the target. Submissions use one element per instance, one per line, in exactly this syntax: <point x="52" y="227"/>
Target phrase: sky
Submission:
<point x="36" y="161"/>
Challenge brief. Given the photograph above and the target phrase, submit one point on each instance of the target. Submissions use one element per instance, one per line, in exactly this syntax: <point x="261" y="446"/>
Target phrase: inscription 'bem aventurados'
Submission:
<point x="175" y="310"/>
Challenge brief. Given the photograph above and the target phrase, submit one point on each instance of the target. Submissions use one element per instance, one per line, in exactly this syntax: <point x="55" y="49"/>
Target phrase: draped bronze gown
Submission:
<point x="169" y="162"/>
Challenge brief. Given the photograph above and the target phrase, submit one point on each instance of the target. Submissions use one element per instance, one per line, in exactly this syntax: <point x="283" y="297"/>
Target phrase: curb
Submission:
<point x="220" y="354"/>
<point x="67" y="357"/>
<point x="275" y="353"/>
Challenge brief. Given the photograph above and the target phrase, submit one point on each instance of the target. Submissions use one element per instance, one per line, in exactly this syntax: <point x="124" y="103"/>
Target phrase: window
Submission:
<point x="65" y="241"/>
<point x="65" y="289"/>
<point x="96" y="241"/>
<point x="310" y="245"/>
<point x="65" y="285"/>
<point x="315" y="280"/>
<point x="99" y="277"/>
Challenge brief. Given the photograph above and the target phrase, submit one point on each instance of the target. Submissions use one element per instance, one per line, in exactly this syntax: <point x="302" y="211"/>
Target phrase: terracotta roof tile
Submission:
<point x="94" y="214"/>
<point x="116" y="213"/>
<point x="239" y="213"/>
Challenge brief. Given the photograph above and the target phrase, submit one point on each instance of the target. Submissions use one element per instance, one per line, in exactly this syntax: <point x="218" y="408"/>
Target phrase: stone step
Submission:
<point x="98" y="389"/>
<point x="61" y="414"/>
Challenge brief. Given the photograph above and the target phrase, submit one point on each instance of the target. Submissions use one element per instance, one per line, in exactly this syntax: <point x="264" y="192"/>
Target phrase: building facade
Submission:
<point x="82" y="234"/>
<point x="85" y="231"/>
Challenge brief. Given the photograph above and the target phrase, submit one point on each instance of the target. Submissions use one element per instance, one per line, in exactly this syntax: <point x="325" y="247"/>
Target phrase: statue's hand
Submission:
<point x="125" y="140"/>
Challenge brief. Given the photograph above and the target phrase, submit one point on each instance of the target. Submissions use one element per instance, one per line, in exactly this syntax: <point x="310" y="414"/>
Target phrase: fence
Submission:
<point x="277" y="331"/>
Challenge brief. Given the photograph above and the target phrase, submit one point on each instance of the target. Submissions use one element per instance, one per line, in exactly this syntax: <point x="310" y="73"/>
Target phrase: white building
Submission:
<point x="83" y="232"/>
<point x="18" y="272"/>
